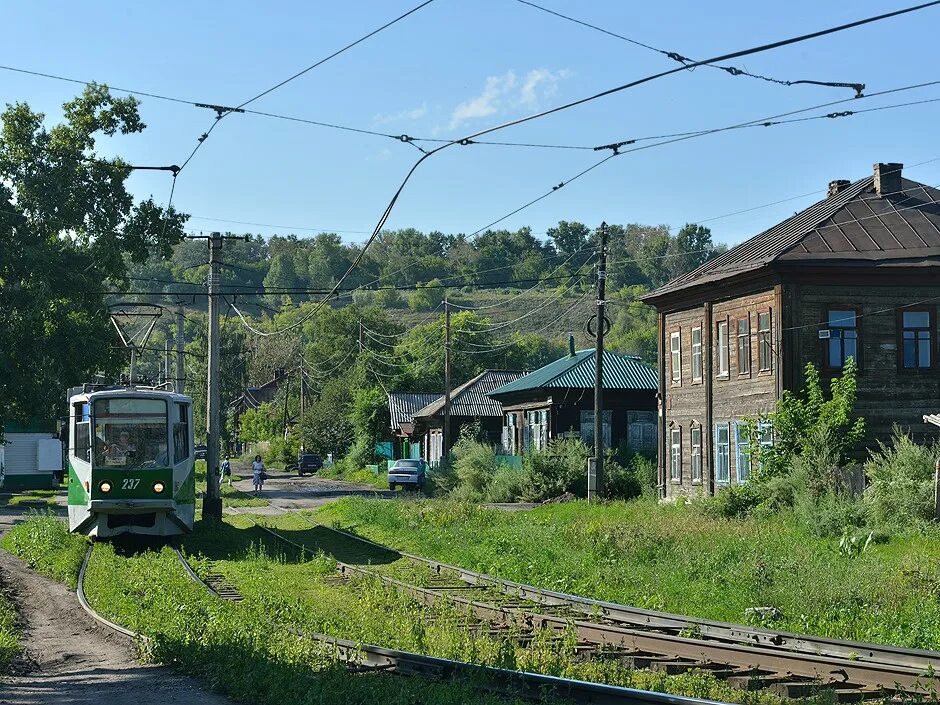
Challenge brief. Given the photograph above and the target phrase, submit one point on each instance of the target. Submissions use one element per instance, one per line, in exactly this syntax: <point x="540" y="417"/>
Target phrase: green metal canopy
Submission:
<point x="577" y="372"/>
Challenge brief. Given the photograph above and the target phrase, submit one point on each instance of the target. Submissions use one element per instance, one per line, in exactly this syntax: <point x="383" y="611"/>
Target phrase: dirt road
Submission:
<point x="289" y="492"/>
<point x="72" y="660"/>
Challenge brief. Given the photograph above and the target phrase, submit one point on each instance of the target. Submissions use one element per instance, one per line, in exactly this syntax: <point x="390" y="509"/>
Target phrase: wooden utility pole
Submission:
<point x="179" y="349"/>
<point x="599" y="363"/>
<point x="212" y="502"/>
<point x="445" y="449"/>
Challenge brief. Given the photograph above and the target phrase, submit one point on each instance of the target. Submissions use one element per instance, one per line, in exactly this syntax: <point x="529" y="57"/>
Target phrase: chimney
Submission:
<point x="837" y="186"/>
<point x="887" y="178"/>
<point x="570" y="345"/>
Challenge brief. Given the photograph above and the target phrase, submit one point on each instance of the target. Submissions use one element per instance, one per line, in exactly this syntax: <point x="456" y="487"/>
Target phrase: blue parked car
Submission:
<point x="407" y="473"/>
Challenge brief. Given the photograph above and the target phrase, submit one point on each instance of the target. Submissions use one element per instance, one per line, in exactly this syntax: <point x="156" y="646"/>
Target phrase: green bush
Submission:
<point x="561" y="468"/>
<point x="475" y="466"/>
<point x="506" y="485"/>
<point x="901" y="477"/>
<point x="44" y="542"/>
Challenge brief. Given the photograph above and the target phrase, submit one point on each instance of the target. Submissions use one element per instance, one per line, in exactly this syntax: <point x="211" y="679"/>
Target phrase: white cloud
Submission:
<point x="401" y="115"/>
<point x="507" y="91"/>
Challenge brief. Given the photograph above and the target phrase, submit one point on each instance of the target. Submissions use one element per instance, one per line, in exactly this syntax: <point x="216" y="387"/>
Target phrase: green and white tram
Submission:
<point x="131" y="462"/>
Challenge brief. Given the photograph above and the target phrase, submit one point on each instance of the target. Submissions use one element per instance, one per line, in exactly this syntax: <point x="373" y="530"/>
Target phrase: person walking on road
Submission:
<point x="258" y="473"/>
<point x="226" y="472"/>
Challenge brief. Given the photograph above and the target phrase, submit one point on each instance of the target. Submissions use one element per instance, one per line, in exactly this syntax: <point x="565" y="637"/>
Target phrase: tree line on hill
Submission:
<point x="72" y="241"/>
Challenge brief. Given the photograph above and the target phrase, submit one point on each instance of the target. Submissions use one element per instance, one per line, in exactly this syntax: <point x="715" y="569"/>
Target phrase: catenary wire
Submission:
<point x="675" y="56"/>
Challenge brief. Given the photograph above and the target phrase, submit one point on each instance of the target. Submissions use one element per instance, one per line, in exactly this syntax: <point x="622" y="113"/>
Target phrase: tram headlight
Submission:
<point x="158" y="487"/>
<point x="105" y="486"/>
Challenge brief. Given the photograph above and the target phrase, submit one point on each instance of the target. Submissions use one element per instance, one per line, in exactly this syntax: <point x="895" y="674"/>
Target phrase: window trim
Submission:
<point x="727" y="427"/>
<point x="695" y="452"/>
<point x="738" y="337"/>
<point x="859" y="357"/>
<point x="769" y="334"/>
<point x="675" y="458"/>
<point x="726" y="374"/>
<point x="701" y="356"/>
<point x="931" y="329"/>
<point x="675" y="372"/>
<point x="738" y="455"/>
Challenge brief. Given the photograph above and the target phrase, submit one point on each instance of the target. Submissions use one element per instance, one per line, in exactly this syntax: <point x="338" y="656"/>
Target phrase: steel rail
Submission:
<point x="83" y="601"/>
<point x="749" y="663"/>
<point x="858" y="652"/>
<point x="533" y="686"/>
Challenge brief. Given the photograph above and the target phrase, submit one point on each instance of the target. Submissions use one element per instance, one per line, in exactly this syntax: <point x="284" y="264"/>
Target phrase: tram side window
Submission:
<point x="131" y="433"/>
<point x="82" y="433"/>
<point x="181" y="434"/>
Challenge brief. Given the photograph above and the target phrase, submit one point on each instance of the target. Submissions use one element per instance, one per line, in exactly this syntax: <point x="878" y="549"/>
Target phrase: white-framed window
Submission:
<point x="744" y="345"/>
<point x="742" y="451"/>
<point x="587" y="427"/>
<point x="695" y="450"/>
<point x="675" y="454"/>
<point x="697" y="354"/>
<point x="765" y="435"/>
<point x="722" y="352"/>
<point x="536" y="424"/>
<point x="675" y="346"/>
<point x="722" y="454"/>
<point x="641" y="430"/>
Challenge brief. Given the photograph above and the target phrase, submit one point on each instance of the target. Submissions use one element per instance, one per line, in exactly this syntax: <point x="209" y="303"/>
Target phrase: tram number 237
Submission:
<point x="130" y="483"/>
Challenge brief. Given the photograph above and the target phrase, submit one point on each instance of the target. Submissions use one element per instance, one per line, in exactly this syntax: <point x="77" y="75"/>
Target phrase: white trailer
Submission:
<point x="30" y="461"/>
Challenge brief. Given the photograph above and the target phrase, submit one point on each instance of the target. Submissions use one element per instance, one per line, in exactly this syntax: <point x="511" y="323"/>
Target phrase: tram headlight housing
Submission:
<point x="158" y="487"/>
<point x="105" y="486"/>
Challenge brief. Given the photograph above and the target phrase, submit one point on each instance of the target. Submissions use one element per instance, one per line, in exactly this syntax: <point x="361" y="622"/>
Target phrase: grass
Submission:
<point x="9" y="632"/>
<point x="361" y="476"/>
<point x="37" y="498"/>
<point x="231" y="496"/>
<point x="256" y="650"/>
<point x="44" y="542"/>
<point x="674" y="559"/>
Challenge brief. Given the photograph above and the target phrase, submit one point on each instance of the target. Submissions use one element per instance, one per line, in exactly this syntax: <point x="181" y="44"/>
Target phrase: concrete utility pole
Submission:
<point x="599" y="363"/>
<point x="362" y="343"/>
<point x="180" y="375"/>
<point x="212" y="502"/>
<point x="168" y="362"/>
<point x="445" y="446"/>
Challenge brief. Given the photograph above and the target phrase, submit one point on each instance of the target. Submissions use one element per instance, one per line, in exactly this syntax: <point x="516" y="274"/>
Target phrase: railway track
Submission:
<point x="791" y="665"/>
<point x="365" y="657"/>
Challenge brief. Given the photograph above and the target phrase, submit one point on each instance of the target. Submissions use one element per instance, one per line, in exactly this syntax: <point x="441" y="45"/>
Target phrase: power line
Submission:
<point x="686" y="62"/>
<point x="336" y="53"/>
<point x="518" y="121"/>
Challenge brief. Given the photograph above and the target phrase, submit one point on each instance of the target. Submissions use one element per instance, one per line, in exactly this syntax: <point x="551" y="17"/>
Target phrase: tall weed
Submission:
<point x="901" y="477"/>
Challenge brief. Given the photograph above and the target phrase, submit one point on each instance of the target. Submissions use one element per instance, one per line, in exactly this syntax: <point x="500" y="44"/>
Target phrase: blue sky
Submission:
<point x="457" y="66"/>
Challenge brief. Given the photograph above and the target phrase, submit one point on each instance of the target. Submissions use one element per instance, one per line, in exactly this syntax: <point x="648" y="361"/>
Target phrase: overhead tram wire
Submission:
<point x="681" y="137"/>
<point x="686" y="62"/>
<point x="518" y="121"/>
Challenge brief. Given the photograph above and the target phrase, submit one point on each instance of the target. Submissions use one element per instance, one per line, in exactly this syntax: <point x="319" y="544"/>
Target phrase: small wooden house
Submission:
<point x="402" y="407"/>
<point x="557" y="401"/>
<point x="469" y="405"/>
<point x="853" y="276"/>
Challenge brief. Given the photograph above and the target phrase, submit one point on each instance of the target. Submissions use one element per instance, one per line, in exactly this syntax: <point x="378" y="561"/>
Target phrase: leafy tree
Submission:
<point x="281" y="275"/>
<point x="261" y="424"/>
<point x="801" y="420"/>
<point x="326" y="427"/>
<point x="67" y="224"/>
<point x="634" y="327"/>
<point x="426" y="296"/>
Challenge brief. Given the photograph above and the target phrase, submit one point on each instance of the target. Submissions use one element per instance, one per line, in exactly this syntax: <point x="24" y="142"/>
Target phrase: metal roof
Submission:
<point x="402" y="406"/>
<point x="577" y="372"/>
<point x="471" y="398"/>
<point x="856" y="226"/>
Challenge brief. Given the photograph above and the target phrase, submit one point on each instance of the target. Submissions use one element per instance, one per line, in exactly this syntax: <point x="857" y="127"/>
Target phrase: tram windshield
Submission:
<point x="130" y="433"/>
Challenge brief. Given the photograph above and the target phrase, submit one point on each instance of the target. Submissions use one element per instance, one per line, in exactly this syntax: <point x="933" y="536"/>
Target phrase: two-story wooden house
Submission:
<point x="854" y="275"/>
